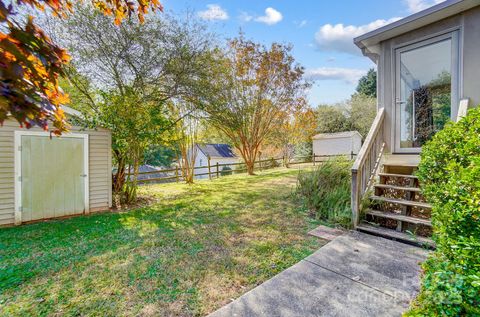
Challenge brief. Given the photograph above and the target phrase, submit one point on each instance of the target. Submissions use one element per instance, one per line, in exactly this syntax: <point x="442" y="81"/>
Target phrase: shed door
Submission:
<point x="53" y="177"/>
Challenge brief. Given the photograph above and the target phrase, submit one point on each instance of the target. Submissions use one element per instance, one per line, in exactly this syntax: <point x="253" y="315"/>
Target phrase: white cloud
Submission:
<point x="348" y="75"/>
<point x="419" y="5"/>
<point x="271" y="16"/>
<point x="301" y="24"/>
<point x="339" y="37"/>
<point x="214" y="12"/>
<point x="245" y="17"/>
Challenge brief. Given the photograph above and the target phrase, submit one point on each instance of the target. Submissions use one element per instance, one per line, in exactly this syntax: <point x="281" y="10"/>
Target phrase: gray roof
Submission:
<point x="148" y="168"/>
<point x="216" y="150"/>
<point x="442" y="10"/>
<point x="346" y="134"/>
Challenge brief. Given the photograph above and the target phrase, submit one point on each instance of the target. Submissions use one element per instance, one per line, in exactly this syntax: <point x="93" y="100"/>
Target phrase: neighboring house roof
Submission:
<point x="368" y="42"/>
<point x="347" y="134"/>
<point x="216" y="150"/>
<point x="149" y="168"/>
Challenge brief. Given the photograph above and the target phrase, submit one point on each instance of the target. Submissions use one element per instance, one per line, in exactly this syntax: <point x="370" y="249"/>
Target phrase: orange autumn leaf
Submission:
<point x="30" y="63"/>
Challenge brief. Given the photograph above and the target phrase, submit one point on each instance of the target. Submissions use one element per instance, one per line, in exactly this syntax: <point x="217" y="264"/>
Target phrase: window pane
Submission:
<point x="425" y="92"/>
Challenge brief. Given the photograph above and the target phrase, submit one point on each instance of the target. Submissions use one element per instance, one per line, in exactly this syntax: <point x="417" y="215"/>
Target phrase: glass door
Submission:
<point x="426" y="90"/>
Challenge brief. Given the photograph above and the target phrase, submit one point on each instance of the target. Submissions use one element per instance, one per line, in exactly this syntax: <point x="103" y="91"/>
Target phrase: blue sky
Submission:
<point x="321" y="32"/>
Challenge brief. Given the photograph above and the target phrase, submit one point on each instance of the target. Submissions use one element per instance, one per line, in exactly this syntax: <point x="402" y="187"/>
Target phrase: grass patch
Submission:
<point x="188" y="254"/>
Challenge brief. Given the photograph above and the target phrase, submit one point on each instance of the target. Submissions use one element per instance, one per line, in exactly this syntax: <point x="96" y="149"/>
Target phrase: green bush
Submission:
<point x="226" y="170"/>
<point x="325" y="191"/>
<point x="449" y="173"/>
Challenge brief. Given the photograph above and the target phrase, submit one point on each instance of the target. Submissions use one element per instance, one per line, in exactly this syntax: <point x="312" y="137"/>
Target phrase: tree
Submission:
<point x="160" y="155"/>
<point x="187" y="131"/>
<point x="357" y="114"/>
<point x="367" y="85"/>
<point x="251" y="88"/>
<point x="126" y="78"/>
<point x="32" y="64"/>
<point x="293" y="131"/>
<point x="361" y="111"/>
<point x="332" y="119"/>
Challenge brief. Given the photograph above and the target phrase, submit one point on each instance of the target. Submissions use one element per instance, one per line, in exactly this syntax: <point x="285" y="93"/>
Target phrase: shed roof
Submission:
<point x="337" y="135"/>
<point x="72" y="111"/>
<point x="216" y="150"/>
<point x="368" y="42"/>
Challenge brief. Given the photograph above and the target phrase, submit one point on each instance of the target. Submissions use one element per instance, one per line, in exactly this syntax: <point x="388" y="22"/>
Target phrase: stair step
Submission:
<point x="398" y="217"/>
<point x="401" y="202"/>
<point x="396" y="235"/>
<point x="397" y="175"/>
<point x="410" y="189"/>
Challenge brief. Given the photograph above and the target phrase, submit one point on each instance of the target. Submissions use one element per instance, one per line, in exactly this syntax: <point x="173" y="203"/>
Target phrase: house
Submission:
<point x="427" y="66"/>
<point x="213" y="154"/>
<point x="340" y="143"/>
<point x="47" y="177"/>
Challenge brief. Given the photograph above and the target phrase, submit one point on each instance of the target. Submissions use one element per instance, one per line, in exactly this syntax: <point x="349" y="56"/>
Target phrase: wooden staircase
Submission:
<point x="397" y="209"/>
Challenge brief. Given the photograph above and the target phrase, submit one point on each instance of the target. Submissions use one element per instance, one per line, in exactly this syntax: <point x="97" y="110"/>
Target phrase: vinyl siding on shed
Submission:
<point x="337" y="146"/>
<point x="100" y="166"/>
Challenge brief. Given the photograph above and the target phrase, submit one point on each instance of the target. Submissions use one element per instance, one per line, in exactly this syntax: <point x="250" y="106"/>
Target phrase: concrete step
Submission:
<point x="396" y="235"/>
<point x="398" y="217"/>
<point x="394" y="187"/>
<point x="401" y="202"/>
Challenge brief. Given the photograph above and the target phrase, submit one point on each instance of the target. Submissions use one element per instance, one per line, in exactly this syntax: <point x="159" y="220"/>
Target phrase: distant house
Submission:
<point x="341" y="143"/>
<point x="218" y="153"/>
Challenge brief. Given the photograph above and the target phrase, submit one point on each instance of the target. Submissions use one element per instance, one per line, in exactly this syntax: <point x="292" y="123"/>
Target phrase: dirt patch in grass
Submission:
<point x="187" y="254"/>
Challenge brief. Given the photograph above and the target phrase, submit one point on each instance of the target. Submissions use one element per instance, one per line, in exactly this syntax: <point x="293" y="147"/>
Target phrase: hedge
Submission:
<point x="449" y="173"/>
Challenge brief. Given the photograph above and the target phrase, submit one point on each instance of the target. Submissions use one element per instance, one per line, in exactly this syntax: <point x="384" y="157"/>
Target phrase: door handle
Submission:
<point x="83" y="175"/>
<point x="398" y="101"/>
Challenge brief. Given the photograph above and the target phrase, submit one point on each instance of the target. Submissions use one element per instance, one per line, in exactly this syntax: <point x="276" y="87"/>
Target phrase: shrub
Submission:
<point x="325" y="191"/>
<point x="226" y="170"/>
<point x="450" y="176"/>
<point x="303" y="151"/>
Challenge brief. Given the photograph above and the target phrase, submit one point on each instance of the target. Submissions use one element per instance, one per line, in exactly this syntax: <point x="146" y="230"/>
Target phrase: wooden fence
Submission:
<point x="217" y="170"/>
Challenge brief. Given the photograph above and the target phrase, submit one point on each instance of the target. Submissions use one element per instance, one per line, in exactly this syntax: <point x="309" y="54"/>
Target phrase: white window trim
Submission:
<point x="18" y="167"/>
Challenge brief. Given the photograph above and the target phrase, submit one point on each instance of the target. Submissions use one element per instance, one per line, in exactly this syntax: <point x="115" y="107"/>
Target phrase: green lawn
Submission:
<point x="191" y="252"/>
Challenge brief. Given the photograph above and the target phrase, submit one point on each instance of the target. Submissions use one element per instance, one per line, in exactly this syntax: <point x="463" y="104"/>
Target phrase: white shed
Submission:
<point x="45" y="177"/>
<point x="340" y="143"/>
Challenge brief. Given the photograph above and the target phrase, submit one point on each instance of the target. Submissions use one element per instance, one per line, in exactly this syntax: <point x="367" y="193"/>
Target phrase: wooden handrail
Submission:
<point x="366" y="164"/>
<point x="376" y="125"/>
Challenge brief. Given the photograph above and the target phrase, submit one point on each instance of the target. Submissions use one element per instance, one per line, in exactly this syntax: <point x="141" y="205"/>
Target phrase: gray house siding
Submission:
<point x="468" y="25"/>
<point x="100" y="166"/>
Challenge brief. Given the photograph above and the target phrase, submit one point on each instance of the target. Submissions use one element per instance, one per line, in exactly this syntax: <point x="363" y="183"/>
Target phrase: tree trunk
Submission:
<point x="250" y="167"/>
<point x="132" y="183"/>
<point x="118" y="180"/>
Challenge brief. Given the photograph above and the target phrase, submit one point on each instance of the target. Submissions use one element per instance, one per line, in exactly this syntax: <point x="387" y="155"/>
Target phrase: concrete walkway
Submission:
<point x="354" y="275"/>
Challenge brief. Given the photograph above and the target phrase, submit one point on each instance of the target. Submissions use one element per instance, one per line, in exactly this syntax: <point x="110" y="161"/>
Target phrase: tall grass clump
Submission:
<point x="325" y="191"/>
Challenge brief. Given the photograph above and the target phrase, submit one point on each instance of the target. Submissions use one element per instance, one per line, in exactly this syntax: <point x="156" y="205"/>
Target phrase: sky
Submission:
<point x="321" y="32"/>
